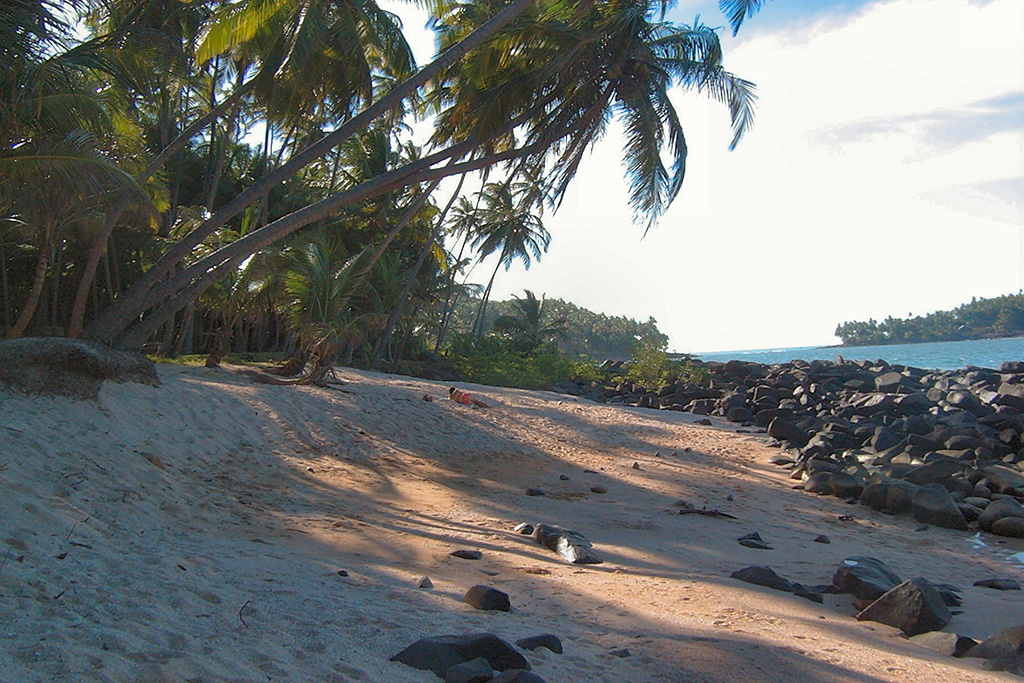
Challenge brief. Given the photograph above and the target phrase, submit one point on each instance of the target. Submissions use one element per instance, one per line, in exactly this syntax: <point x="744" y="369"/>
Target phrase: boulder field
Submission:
<point x="942" y="446"/>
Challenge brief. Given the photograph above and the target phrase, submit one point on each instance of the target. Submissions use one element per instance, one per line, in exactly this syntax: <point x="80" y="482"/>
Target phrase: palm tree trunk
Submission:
<point x="3" y="285"/>
<point x="403" y="296"/>
<point x="96" y="250"/>
<point x="195" y="279"/>
<point x="98" y="247"/>
<point x="478" y="326"/>
<point x="131" y="306"/>
<point x="34" y="292"/>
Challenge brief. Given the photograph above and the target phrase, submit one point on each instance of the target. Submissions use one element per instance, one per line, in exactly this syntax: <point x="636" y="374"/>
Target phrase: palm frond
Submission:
<point x="739" y="10"/>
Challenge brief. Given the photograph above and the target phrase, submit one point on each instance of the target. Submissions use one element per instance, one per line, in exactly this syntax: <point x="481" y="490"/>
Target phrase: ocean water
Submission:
<point x="982" y="353"/>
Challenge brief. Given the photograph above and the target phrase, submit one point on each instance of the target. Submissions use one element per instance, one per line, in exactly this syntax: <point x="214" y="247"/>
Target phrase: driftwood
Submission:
<point x="706" y="513"/>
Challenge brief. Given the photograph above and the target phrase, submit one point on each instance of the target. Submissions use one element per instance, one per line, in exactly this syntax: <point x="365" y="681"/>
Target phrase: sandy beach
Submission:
<point x="216" y="529"/>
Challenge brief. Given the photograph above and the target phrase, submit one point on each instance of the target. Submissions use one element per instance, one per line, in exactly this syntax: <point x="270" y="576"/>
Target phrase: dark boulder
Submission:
<point x="487" y="598"/>
<point x="866" y="578"/>
<point x="782" y="429"/>
<point x="546" y="640"/>
<point x="913" y="607"/>
<point x="935" y="472"/>
<point x="763" y="576"/>
<point x="1012" y="527"/>
<point x="999" y="584"/>
<point x="474" y="671"/>
<point x="999" y="509"/>
<point x="845" y="485"/>
<point x="932" y="504"/>
<point x="1006" y="643"/>
<point x="440" y="653"/>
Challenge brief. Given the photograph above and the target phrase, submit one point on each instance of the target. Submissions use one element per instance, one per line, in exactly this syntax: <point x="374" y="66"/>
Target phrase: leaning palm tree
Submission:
<point x="543" y="88"/>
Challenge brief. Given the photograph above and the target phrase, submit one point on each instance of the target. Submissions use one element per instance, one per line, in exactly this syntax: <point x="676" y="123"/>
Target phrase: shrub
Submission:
<point x="651" y="367"/>
<point x="505" y="367"/>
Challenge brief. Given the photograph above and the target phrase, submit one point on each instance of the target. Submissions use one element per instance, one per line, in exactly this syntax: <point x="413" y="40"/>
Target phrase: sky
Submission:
<point x="884" y="175"/>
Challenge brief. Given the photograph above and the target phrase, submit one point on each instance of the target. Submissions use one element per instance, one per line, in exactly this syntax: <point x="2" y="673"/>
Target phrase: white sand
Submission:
<point x="194" y="531"/>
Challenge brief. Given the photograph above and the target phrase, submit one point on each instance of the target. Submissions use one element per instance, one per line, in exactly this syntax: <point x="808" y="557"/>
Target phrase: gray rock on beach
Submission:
<point x="997" y="510"/>
<point x="440" y="653"/>
<point x="487" y="598"/>
<point x="914" y="607"/>
<point x="866" y="578"/>
<point x="572" y="546"/>
<point x="932" y="504"/>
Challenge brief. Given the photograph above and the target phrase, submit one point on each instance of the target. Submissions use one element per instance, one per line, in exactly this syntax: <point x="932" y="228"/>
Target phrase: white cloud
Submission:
<point x="836" y="206"/>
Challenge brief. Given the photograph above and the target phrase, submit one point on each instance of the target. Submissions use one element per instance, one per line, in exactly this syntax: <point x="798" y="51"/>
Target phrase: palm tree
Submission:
<point x="559" y="72"/>
<point x="510" y="228"/>
<point x="527" y="328"/>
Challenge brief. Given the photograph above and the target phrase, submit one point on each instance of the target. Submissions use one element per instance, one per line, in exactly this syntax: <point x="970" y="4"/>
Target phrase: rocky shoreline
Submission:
<point x="943" y="446"/>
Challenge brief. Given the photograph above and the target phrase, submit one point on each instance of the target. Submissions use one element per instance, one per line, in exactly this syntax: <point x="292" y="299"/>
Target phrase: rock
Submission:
<point x="598" y="489"/>
<point x="932" y="504"/>
<point x="425" y="582"/>
<point x="999" y="584"/>
<point x="517" y="676"/>
<point x="949" y="644"/>
<point x="547" y="640"/>
<point x="1004" y="479"/>
<point x="866" y="578"/>
<point x="487" y="598"/>
<point x="440" y="653"/>
<point x="999" y="509"/>
<point x="819" y="482"/>
<point x="55" y="366"/>
<point x="763" y="576"/>
<point x="874" y="495"/>
<point x="535" y="492"/>
<point x="1006" y="643"/>
<point x="563" y="477"/>
<point x="1011" y="527"/>
<point x="845" y="485"/>
<point x="822" y="539"/>
<point x="571" y="545"/>
<point x="466" y="554"/>
<point x="913" y="607"/>
<point x="524" y="528"/>
<point x="753" y="540"/>
<point x="935" y="472"/>
<point x="739" y="414"/>
<point x="782" y="429"/>
<point x="621" y="653"/>
<point x="474" y="671"/>
<point x="899" y="497"/>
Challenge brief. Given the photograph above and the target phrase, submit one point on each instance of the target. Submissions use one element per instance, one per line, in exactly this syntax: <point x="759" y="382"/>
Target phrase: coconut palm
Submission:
<point x="526" y="327"/>
<point x="559" y="73"/>
<point x="512" y="228"/>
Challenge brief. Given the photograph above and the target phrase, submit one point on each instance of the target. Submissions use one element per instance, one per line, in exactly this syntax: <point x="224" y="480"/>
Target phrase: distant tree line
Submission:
<point x="582" y="332"/>
<point x="980" y="319"/>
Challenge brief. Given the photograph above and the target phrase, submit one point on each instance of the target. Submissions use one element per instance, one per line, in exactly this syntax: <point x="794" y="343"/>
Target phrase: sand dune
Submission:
<point x="196" y="530"/>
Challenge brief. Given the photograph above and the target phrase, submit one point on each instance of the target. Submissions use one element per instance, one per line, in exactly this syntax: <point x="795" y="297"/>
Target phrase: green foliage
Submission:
<point x="584" y="332"/>
<point x="980" y="319"/>
<point x="652" y="368"/>
<point x="506" y="367"/>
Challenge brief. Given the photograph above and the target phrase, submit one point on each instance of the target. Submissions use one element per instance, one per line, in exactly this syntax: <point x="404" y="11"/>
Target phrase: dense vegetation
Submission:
<point x="214" y="176"/>
<point x="1001" y="316"/>
<point x="584" y="332"/>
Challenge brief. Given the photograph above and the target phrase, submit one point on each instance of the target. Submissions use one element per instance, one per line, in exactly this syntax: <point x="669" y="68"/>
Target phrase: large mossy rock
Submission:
<point x="56" y="366"/>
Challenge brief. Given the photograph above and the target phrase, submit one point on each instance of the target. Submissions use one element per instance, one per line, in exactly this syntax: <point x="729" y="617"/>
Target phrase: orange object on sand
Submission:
<point x="465" y="398"/>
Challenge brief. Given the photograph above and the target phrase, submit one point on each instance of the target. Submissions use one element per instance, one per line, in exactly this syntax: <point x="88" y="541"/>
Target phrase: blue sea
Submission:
<point x="983" y="353"/>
